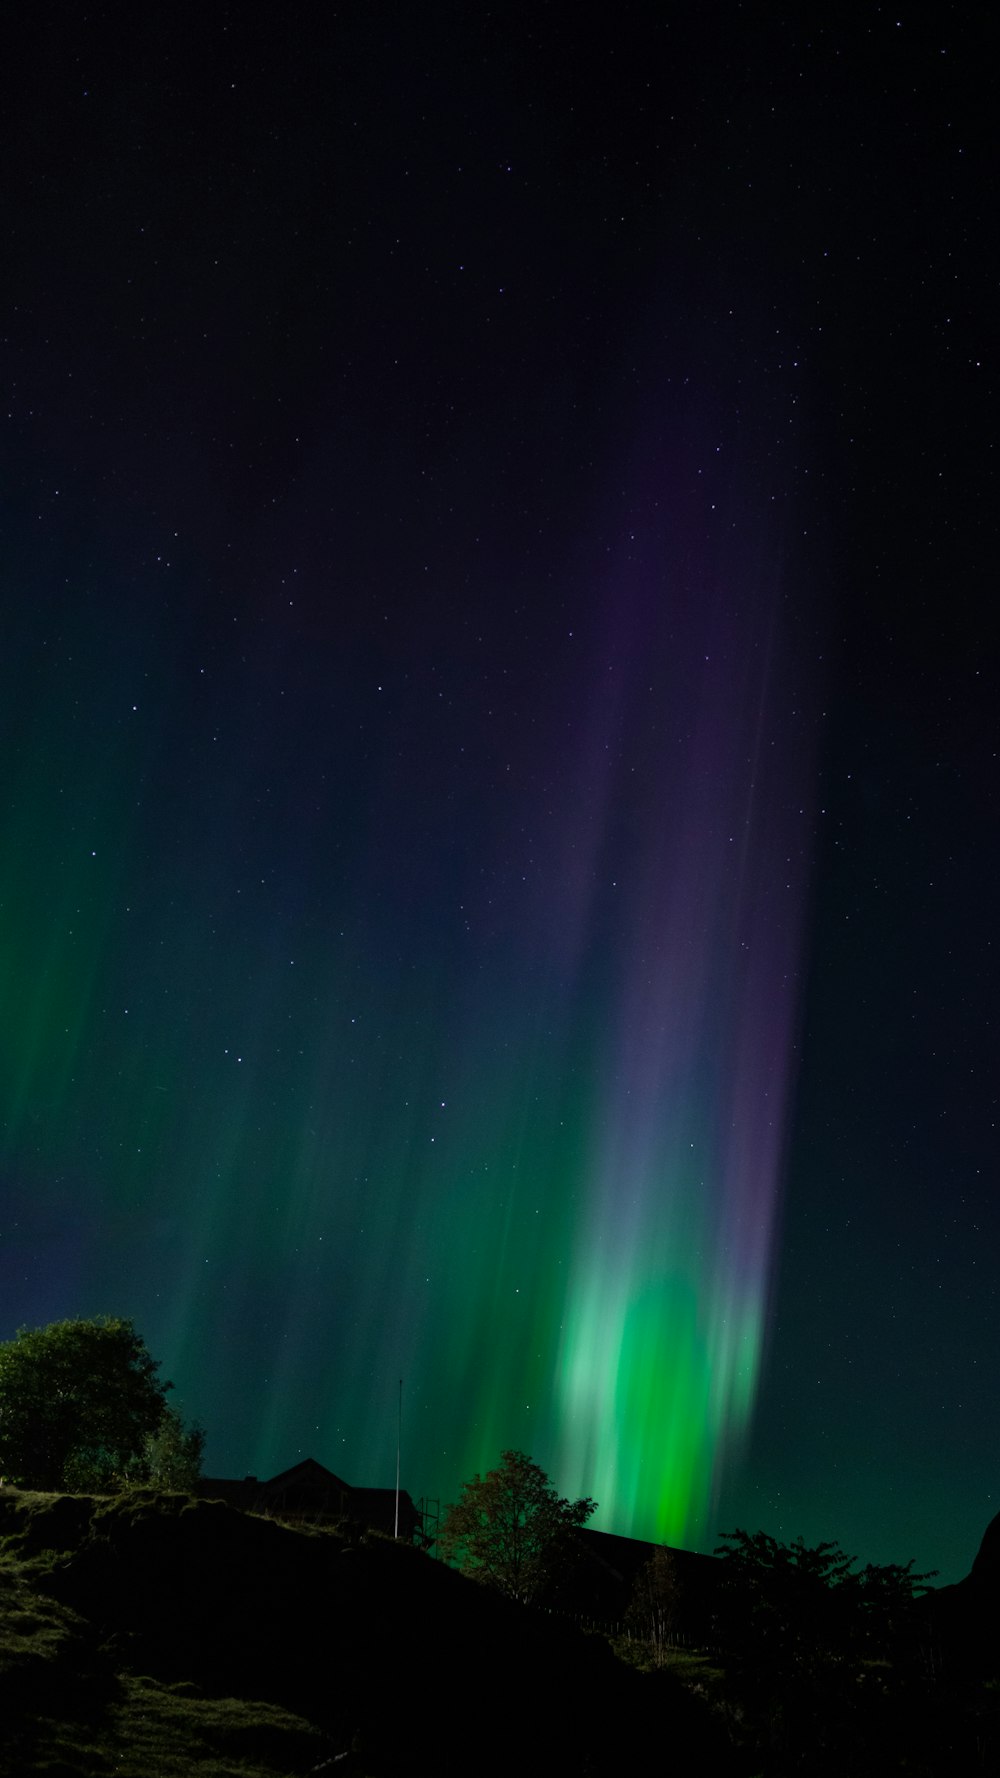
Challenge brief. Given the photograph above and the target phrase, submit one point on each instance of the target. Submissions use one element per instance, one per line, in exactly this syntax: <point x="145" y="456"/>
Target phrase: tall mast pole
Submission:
<point x="399" y="1441"/>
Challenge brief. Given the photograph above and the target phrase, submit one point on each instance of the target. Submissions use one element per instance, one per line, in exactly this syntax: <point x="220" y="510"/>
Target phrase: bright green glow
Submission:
<point x="308" y="1155"/>
<point x="651" y="1390"/>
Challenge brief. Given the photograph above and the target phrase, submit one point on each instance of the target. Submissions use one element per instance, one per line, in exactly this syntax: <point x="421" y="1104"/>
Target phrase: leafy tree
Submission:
<point x="654" y="1603"/>
<point x="791" y="1603"/>
<point x="171" y="1456"/>
<point x="820" y="1658"/>
<point x="782" y="1603"/>
<point x="511" y="1529"/>
<point x="77" y="1401"/>
<point x="886" y="1599"/>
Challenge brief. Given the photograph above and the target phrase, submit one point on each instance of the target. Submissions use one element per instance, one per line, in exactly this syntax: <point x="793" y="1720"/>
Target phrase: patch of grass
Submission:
<point x="172" y="1731"/>
<point x="163" y="1730"/>
<point x="66" y="1712"/>
<point x="31" y="1523"/>
<point x="51" y="1676"/>
<point x="38" y="1639"/>
<point x="691" y="1666"/>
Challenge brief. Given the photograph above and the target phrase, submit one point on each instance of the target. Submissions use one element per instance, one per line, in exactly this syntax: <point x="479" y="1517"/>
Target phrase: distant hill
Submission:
<point x="986" y="1567"/>
<point x="965" y="1618"/>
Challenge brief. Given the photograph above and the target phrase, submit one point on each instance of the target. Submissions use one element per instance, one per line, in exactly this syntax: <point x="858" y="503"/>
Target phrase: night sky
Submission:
<point x="498" y="842"/>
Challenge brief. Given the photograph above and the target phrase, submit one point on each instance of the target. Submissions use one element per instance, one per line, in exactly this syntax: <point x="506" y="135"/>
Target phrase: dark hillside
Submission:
<point x="235" y="1645"/>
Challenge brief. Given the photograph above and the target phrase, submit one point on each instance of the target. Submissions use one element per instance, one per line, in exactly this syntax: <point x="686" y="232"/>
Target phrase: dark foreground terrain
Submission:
<point x="154" y="1634"/>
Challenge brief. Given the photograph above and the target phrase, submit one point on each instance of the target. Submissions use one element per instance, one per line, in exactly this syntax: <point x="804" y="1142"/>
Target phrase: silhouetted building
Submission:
<point x="308" y="1493"/>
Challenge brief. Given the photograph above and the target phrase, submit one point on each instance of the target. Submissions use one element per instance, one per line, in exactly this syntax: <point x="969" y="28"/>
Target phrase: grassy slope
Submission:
<point x="155" y="1634"/>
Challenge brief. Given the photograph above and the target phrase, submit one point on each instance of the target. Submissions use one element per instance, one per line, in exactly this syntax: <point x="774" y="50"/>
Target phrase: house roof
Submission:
<point x="308" y="1473"/>
<point x="308" y="1481"/>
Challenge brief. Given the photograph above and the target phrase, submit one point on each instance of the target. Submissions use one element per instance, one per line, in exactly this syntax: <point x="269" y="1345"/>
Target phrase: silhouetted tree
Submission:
<point x="814" y="1652"/>
<point x="77" y="1402"/>
<point x="654" y="1602"/>
<point x="511" y="1529"/>
<point x="885" y="1600"/>
<point x="791" y="1602"/>
<point x="782" y="1602"/>
<point x="171" y="1456"/>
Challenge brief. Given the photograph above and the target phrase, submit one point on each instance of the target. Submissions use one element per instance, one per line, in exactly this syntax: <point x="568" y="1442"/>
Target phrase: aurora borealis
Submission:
<point x="680" y="1168"/>
<point x="536" y="1139"/>
<point x="492" y="859"/>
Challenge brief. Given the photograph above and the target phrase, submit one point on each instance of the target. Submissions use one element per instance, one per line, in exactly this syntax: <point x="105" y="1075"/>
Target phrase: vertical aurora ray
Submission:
<point x="703" y="857"/>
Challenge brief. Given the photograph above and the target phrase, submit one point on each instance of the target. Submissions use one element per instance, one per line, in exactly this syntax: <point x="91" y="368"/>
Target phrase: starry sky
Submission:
<point x="498" y="846"/>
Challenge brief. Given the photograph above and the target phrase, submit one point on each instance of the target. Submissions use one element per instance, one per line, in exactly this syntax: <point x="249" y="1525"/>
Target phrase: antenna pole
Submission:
<point x="399" y="1441"/>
